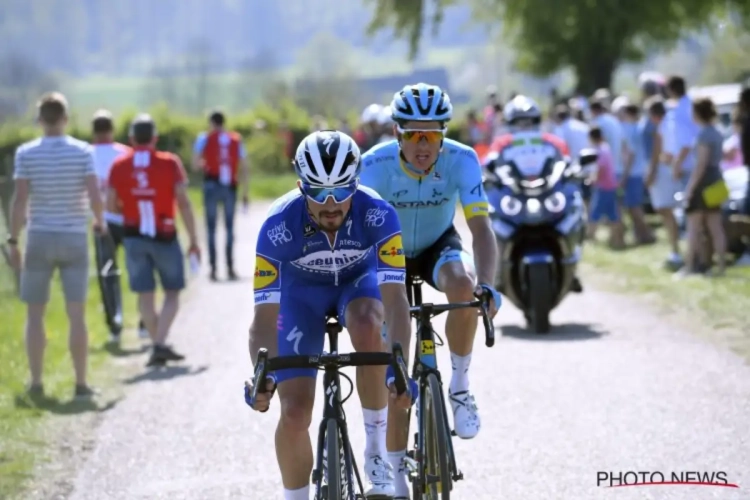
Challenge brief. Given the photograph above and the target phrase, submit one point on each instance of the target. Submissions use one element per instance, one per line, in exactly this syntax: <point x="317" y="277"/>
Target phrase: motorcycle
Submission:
<point x="540" y="224"/>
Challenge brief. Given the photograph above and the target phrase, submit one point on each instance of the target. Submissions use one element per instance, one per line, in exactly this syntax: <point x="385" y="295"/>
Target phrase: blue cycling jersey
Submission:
<point x="426" y="204"/>
<point x="292" y="252"/>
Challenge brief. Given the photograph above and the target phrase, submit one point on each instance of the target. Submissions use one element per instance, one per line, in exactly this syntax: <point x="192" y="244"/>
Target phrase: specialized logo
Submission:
<point x="279" y="234"/>
<point x="265" y="273"/>
<point x="375" y="217"/>
<point x="392" y="252"/>
<point x="309" y="230"/>
<point x="295" y="336"/>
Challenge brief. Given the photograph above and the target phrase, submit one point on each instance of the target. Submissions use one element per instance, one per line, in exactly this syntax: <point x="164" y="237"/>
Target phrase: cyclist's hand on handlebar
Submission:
<point x="263" y="399"/>
<point x="492" y="296"/>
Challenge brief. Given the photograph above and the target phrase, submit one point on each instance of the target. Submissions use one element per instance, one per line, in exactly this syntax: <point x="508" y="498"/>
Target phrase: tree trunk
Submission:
<point x="595" y="73"/>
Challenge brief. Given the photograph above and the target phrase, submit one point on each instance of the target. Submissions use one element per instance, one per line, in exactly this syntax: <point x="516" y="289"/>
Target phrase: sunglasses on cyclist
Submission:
<point x="319" y="194"/>
<point x="432" y="136"/>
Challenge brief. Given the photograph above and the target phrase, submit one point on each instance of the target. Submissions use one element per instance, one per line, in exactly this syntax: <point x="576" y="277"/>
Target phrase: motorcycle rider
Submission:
<point x="528" y="147"/>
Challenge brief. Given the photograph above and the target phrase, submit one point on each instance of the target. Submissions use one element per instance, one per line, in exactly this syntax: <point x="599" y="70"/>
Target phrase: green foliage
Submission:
<point x="261" y="128"/>
<point x="592" y="37"/>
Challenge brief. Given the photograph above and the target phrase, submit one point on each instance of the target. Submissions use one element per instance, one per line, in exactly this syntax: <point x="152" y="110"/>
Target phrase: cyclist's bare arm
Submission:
<point x="263" y="330"/>
<point x="397" y="319"/>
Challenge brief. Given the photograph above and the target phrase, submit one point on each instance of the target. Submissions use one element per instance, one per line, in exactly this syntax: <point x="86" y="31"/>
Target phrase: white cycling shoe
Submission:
<point x="466" y="421"/>
<point x="379" y="479"/>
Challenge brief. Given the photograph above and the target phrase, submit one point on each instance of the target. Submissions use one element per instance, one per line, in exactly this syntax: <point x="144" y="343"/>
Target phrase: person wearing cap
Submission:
<point x="145" y="185"/>
<point x="221" y="156"/>
<point x="106" y="150"/>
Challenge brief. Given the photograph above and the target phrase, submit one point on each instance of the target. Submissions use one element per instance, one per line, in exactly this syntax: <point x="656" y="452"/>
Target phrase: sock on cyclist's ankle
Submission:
<point x="300" y="494"/>
<point x="375" y="428"/>
<point x="396" y="458"/>
<point x="460" y="376"/>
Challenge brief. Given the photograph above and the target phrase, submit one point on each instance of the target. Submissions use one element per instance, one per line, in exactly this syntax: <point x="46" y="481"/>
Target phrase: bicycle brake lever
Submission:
<point x="260" y="373"/>
<point x="489" y="329"/>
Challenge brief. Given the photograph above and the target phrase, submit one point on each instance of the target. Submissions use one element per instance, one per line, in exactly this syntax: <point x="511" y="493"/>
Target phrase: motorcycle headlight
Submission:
<point x="510" y="205"/>
<point x="555" y="202"/>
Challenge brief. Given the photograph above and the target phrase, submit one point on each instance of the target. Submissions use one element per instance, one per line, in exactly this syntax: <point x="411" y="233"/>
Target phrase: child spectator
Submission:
<point x="604" y="197"/>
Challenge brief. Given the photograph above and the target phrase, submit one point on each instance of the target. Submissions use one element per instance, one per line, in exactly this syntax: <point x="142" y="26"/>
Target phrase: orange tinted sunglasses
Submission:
<point x="432" y="136"/>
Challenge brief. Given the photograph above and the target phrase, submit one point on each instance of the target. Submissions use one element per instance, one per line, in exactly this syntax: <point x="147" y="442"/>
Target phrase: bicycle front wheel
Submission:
<point x="437" y="473"/>
<point x="333" y="462"/>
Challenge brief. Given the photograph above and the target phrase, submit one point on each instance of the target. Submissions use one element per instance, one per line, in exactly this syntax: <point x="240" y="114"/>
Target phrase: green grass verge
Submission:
<point x="271" y="187"/>
<point x="715" y="308"/>
<point x="25" y="437"/>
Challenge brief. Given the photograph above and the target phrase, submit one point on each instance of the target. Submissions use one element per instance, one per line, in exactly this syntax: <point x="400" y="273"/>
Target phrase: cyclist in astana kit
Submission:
<point x="423" y="174"/>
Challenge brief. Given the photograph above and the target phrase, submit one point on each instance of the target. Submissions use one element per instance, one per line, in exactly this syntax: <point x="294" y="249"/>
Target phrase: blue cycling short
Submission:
<point x="302" y="316"/>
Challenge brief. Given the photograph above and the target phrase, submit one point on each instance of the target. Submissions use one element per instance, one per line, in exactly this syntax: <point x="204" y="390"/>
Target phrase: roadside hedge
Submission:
<point x="260" y="127"/>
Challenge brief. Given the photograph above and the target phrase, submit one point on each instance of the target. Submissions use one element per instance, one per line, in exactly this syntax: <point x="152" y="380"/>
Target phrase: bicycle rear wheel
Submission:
<point x="436" y="466"/>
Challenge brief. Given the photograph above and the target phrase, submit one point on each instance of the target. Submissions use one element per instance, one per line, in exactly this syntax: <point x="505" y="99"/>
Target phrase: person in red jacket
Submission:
<point x="221" y="156"/>
<point x="145" y="187"/>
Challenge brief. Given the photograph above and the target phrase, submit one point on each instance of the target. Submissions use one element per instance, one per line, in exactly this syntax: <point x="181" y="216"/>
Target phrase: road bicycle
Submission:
<point x="109" y="281"/>
<point x="334" y="447"/>
<point x="431" y="464"/>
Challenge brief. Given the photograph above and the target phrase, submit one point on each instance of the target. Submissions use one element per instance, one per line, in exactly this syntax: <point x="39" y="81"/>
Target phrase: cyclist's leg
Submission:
<point x="211" y="207"/>
<point x="453" y="273"/>
<point x="360" y="309"/>
<point x="301" y="330"/>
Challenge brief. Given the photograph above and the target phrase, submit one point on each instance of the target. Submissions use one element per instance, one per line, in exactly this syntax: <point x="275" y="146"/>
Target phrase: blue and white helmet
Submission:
<point x="421" y="103"/>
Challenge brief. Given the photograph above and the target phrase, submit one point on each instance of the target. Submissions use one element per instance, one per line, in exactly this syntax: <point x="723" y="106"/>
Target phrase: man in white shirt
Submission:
<point x="106" y="150"/>
<point x="574" y="132"/>
<point x="612" y="132"/>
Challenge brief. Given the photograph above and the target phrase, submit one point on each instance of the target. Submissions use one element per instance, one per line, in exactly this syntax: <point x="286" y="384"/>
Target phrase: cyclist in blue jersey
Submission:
<point x="330" y="247"/>
<point x="423" y="175"/>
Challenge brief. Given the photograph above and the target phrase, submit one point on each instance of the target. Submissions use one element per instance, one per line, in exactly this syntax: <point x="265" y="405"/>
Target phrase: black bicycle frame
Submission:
<point x="425" y="362"/>
<point x="333" y="409"/>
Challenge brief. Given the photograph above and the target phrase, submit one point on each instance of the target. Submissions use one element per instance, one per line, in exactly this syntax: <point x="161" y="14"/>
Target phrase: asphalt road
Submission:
<point x="614" y="389"/>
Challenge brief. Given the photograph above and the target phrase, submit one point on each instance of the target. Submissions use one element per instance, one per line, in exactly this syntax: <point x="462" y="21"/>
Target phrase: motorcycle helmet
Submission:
<point x="522" y="111"/>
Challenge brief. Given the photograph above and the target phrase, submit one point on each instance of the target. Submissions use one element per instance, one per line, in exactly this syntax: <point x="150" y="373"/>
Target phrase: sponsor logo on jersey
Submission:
<point x="387" y="277"/>
<point x="309" y="230"/>
<point x="350" y="243"/>
<point x="375" y="217"/>
<point x="327" y="262"/>
<point x="265" y="273"/>
<point x="279" y="234"/>
<point x="392" y="252"/>
<point x="420" y="203"/>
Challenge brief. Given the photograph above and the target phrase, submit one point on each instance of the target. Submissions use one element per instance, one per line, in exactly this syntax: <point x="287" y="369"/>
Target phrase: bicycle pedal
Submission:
<point x="459" y="476"/>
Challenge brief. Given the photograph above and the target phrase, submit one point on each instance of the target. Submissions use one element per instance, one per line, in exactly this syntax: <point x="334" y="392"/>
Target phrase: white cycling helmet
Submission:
<point x="421" y="103"/>
<point x="327" y="158"/>
<point x="371" y="113"/>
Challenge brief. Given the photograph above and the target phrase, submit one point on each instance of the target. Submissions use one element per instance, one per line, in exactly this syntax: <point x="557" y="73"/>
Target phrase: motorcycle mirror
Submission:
<point x="587" y="157"/>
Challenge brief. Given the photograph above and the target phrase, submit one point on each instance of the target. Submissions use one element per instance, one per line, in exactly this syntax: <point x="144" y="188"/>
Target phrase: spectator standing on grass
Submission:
<point x="630" y="182"/>
<point x="145" y="185"/>
<point x="732" y="154"/>
<point x="106" y="150"/>
<point x="604" y="197"/>
<point x="574" y="132"/>
<point x="659" y="181"/>
<point x="705" y="173"/>
<point x="610" y="127"/>
<point x="221" y="155"/>
<point x="54" y="175"/>
<point x="473" y="131"/>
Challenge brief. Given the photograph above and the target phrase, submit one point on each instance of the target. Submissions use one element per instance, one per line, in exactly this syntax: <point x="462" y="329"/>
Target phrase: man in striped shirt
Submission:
<point x="55" y="179"/>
